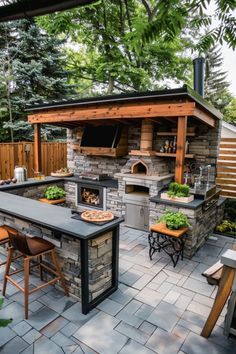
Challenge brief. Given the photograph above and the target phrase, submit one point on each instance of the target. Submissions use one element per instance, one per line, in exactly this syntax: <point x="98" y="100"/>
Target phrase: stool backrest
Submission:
<point x="19" y="242"/>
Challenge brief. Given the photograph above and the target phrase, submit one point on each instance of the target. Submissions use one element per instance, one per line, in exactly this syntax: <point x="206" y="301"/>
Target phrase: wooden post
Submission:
<point x="146" y="140"/>
<point x="180" y="152"/>
<point x="37" y="148"/>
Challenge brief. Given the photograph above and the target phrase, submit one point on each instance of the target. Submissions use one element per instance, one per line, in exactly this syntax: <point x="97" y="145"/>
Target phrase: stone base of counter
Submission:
<point x="68" y="250"/>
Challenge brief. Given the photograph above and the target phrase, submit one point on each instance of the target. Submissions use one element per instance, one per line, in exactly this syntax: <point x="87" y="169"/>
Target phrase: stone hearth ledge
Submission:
<point x="88" y="253"/>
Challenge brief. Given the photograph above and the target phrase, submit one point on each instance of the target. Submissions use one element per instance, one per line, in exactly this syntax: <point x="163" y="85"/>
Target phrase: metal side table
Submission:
<point x="170" y="241"/>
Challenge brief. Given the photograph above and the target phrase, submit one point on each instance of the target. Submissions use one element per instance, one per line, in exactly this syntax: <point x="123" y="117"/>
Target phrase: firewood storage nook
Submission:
<point x="141" y="142"/>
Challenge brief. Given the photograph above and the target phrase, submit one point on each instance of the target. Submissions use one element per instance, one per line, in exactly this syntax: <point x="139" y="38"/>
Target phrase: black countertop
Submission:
<point x="52" y="217"/>
<point x="196" y="203"/>
<point x="110" y="182"/>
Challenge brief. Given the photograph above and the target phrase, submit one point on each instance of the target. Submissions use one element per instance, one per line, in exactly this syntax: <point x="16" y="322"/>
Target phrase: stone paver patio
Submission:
<point x="157" y="309"/>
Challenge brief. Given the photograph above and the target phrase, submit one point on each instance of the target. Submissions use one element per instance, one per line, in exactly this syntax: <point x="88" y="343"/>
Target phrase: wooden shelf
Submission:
<point x="174" y="134"/>
<point x="170" y="154"/>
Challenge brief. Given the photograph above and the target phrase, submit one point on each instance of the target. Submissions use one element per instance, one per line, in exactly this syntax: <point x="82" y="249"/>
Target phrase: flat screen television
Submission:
<point x="101" y="136"/>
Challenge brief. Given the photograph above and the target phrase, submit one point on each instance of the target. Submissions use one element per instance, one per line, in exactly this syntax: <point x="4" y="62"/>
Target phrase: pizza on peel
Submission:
<point x="97" y="215"/>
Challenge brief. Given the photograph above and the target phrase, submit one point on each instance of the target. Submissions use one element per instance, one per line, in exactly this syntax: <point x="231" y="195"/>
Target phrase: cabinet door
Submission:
<point x="137" y="216"/>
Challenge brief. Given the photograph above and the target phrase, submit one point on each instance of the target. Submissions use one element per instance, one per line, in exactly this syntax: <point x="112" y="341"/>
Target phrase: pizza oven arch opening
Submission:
<point x="139" y="167"/>
<point x="136" y="189"/>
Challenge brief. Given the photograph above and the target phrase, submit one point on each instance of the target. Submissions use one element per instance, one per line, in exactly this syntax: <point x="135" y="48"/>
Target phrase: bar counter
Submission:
<point x="88" y="253"/>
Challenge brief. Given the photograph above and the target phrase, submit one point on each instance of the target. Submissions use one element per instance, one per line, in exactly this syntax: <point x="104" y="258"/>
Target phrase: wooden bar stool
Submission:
<point x="30" y="248"/>
<point x="4" y="237"/>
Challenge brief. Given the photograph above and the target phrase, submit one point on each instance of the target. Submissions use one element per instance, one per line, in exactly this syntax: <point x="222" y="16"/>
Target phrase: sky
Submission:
<point x="229" y="65"/>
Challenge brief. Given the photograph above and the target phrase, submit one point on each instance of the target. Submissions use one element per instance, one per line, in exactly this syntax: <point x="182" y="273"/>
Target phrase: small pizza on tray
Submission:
<point x="97" y="215"/>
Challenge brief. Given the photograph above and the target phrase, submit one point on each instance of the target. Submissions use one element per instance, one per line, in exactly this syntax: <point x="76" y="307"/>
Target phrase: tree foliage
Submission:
<point x="230" y="112"/>
<point x="31" y="70"/>
<point x="108" y="53"/>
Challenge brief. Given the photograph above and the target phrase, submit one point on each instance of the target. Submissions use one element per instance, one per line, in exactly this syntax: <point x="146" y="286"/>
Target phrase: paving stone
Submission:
<point x="85" y="349"/>
<point x="163" y="342"/>
<point x="6" y="335"/>
<point x="143" y="281"/>
<point x="199" y="308"/>
<point x="149" y="297"/>
<point x="32" y="336"/>
<point x="129" y="318"/>
<point x="204" y="300"/>
<point x="130" y="277"/>
<point x="195" y="344"/>
<point x="217" y="336"/>
<point x="69" y="349"/>
<point x="61" y="340"/>
<point x="74" y="314"/>
<point x="180" y="331"/>
<point x="171" y="297"/>
<point x="160" y="277"/>
<point x="45" y="345"/>
<point x="198" y="287"/>
<point x="16" y="345"/>
<point x="120" y="297"/>
<point x="14" y="311"/>
<point x="147" y="327"/>
<point x="35" y="306"/>
<point x="144" y="311"/>
<point x="165" y="316"/>
<point x="69" y="329"/>
<point x="165" y="287"/>
<point x="55" y="326"/>
<point x="22" y="328"/>
<point x="59" y="305"/>
<point x="28" y="350"/>
<point x="194" y="318"/>
<point x="42" y="318"/>
<point x="183" y="302"/>
<point x="133" y="347"/>
<point x="183" y="291"/>
<point x="190" y="326"/>
<point x="132" y="332"/>
<point x="109" y="306"/>
<point x="101" y="338"/>
<point x="19" y="297"/>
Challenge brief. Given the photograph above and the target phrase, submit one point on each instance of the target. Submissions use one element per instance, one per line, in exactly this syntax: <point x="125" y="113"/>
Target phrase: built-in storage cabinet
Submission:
<point x="137" y="216"/>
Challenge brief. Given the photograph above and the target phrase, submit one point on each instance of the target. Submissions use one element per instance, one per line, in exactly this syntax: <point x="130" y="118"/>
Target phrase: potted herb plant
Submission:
<point x="54" y="192"/>
<point x="178" y="192"/>
<point x="174" y="220"/>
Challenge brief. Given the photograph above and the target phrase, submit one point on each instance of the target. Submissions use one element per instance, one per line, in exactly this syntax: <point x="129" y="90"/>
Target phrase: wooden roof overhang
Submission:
<point x="159" y="106"/>
<point x="30" y="8"/>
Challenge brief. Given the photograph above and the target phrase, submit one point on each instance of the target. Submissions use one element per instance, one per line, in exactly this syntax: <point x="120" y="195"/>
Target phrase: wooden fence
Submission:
<point x="226" y="167"/>
<point x="54" y="156"/>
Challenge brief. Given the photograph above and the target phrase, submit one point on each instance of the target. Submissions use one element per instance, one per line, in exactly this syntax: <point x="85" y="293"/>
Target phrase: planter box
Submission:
<point x="178" y="199"/>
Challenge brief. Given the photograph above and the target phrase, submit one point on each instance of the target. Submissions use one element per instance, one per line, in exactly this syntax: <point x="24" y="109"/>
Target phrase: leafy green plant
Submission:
<point x="54" y="192"/>
<point x="4" y="322"/>
<point x="174" y="220"/>
<point x="228" y="227"/>
<point x="178" y="190"/>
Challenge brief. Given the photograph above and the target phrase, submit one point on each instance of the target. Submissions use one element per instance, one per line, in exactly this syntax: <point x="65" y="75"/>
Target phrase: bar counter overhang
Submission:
<point x="58" y="220"/>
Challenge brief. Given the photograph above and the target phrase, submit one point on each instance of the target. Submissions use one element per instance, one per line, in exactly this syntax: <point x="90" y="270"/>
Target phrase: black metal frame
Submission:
<point x="173" y="246"/>
<point x="90" y="186"/>
<point x="86" y="304"/>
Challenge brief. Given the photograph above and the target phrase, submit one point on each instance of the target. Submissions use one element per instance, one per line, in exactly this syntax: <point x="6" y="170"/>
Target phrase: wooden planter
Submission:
<point x="178" y="199"/>
<point x="52" y="201"/>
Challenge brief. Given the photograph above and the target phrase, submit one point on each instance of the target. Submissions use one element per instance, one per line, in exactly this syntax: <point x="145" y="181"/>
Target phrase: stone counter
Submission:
<point x="88" y="253"/>
<point x="203" y="222"/>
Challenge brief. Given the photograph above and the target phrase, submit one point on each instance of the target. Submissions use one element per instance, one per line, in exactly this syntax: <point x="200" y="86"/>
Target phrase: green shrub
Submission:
<point x="54" y="192"/>
<point x="174" y="220"/>
<point x="178" y="190"/>
<point x="227" y="226"/>
<point x="4" y="322"/>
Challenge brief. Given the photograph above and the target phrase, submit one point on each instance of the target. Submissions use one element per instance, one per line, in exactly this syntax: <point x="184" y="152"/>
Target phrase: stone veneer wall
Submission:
<point x="202" y="222"/>
<point x="68" y="251"/>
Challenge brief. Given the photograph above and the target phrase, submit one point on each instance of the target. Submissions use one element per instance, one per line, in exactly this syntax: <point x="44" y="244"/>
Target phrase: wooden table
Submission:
<point x="171" y="241"/>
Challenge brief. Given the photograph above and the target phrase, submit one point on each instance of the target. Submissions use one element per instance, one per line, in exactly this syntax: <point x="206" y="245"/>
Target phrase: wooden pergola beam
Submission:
<point x="37" y="148"/>
<point x="180" y="152"/>
<point x="115" y="111"/>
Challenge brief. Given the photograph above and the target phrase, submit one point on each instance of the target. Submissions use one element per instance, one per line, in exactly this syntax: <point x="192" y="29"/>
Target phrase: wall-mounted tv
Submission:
<point x="101" y="136"/>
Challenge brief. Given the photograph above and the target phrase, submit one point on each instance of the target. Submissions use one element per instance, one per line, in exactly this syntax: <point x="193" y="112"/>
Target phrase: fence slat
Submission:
<point x="226" y="167"/>
<point x="54" y="156"/>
